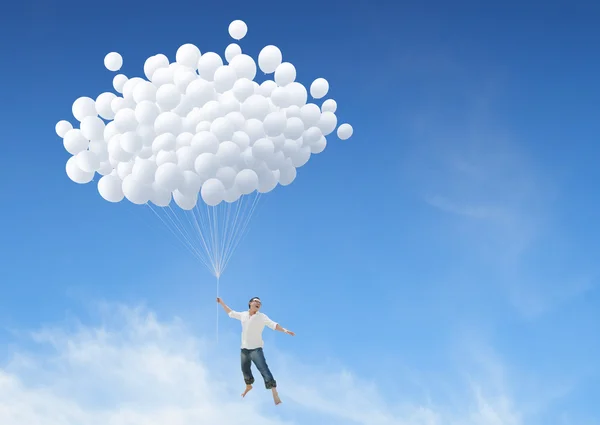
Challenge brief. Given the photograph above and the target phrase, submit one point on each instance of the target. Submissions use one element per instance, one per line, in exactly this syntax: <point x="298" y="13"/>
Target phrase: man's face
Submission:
<point x="255" y="304"/>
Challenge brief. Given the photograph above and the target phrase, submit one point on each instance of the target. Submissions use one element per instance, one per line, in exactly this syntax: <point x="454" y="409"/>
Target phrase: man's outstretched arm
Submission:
<point x="225" y="307"/>
<point x="284" y="330"/>
<point x="230" y="312"/>
<point x="276" y="326"/>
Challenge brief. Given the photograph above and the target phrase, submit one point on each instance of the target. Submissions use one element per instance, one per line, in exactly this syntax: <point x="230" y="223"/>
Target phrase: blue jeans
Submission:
<point x="256" y="356"/>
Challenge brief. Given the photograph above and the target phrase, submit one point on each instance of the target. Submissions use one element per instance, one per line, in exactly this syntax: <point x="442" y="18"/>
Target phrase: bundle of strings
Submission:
<point x="210" y="233"/>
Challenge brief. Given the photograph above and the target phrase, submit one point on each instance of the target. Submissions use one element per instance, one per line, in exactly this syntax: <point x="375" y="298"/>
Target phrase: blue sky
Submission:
<point x="438" y="268"/>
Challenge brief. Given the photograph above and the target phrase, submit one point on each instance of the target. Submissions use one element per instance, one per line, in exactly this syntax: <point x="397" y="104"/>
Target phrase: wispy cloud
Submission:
<point x="134" y="369"/>
<point x="494" y="197"/>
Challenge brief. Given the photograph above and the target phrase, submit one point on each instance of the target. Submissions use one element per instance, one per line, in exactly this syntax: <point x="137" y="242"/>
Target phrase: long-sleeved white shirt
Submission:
<point x="252" y="327"/>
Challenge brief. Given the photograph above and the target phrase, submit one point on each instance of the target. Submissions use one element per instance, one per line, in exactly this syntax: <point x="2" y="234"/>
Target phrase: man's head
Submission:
<point x="254" y="304"/>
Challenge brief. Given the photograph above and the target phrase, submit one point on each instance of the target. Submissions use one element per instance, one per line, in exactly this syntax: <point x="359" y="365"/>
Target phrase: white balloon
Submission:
<point x="113" y="61"/>
<point x="212" y="110"/>
<point x="124" y="169"/>
<point x="76" y="174"/>
<point x="297" y="93"/>
<point x="110" y="130"/>
<point x="184" y="139"/>
<point x="117" y="104"/>
<point x="130" y="86"/>
<point x="185" y="202"/>
<point x="203" y="126"/>
<point x="238" y="29"/>
<point x="254" y="129"/>
<point x="232" y="51"/>
<point x="110" y="188"/>
<point x="290" y="148"/>
<point x="115" y="151"/>
<point x="345" y="131"/>
<point x="119" y="82"/>
<point x="267" y="181"/>
<point x="87" y="161"/>
<point x="285" y="74"/>
<point x="131" y="142"/>
<point x="278" y="142"/>
<point x="206" y="166"/>
<point x="168" y="97"/>
<point x="301" y="156"/>
<point x="125" y="120"/>
<point x="232" y="195"/>
<point x="165" y="142"/>
<point x="208" y="63"/>
<point x="263" y="149"/>
<point x="276" y="161"/>
<point x="159" y="196"/>
<point x="244" y="66"/>
<point x="225" y="77"/>
<point x="183" y="77"/>
<point x="319" y="146"/>
<point x="100" y="149"/>
<point x="222" y="128"/>
<point x="281" y="97"/>
<point x="168" y="176"/>
<point x="237" y="120"/>
<point x="168" y="122"/>
<point x="163" y="76"/>
<point x="188" y="55"/>
<point x="227" y="176"/>
<point x="144" y="170"/>
<point x="190" y="184"/>
<point x="327" y="123"/>
<point x="147" y="134"/>
<point x="312" y="135"/>
<point x="243" y="89"/>
<point x="84" y="107"/>
<point x="228" y="153"/>
<point x="269" y="59"/>
<point x="246" y="181"/>
<point x="103" y="108"/>
<point x="310" y="114"/>
<point x="105" y="168"/>
<point x="294" y="128"/>
<point x="74" y="141"/>
<point x="247" y="160"/>
<point x="329" y="105"/>
<point x="319" y="88"/>
<point x="275" y="123"/>
<point x="145" y="152"/>
<point x="293" y="111"/>
<point x="241" y="139"/>
<point x="229" y="103"/>
<point x="206" y="142"/>
<point x="134" y="191"/>
<point x="266" y="88"/>
<point x="212" y="192"/>
<point x="287" y="175"/>
<point x="164" y="157"/>
<point x="155" y="63"/>
<point x="186" y="157"/>
<point x="256" y="106"/>
<point x="144" y="90"/>
<point x="199" y="92"/>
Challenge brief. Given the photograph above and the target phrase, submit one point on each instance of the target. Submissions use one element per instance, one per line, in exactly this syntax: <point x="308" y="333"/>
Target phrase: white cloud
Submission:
<point x="134" y="369"/>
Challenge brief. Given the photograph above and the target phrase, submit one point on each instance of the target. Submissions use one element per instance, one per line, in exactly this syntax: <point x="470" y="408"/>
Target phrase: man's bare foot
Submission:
<point x="276" y="398"/>
<point x="248" y="388"/>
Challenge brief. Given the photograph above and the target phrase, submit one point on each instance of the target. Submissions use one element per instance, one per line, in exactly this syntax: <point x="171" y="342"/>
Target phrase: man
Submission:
<point x="253" y="323"/>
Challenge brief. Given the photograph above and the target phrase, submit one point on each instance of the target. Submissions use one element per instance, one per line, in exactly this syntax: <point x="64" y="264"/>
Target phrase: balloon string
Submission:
<point x="218" y="278"/>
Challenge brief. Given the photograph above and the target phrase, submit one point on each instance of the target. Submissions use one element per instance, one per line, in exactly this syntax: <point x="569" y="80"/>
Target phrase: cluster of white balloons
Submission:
<point x="199" y="126"/>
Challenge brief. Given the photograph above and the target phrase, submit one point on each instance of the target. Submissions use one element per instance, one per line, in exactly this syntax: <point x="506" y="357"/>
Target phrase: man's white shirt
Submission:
<point x="252" y="327"/>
